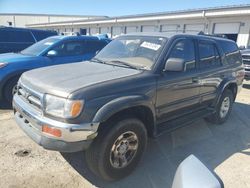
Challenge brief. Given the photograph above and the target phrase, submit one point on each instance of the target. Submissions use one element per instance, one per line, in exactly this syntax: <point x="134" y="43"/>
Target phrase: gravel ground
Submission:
<point x="224" y="148"/>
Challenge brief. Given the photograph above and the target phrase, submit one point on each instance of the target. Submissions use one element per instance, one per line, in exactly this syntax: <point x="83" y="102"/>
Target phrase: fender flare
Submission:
<point x="222" y="88"/>
<point x="123" y="103"/>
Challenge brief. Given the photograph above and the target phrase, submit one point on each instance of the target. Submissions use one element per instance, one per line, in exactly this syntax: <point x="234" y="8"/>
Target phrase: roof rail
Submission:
<point x="213" y="35"/>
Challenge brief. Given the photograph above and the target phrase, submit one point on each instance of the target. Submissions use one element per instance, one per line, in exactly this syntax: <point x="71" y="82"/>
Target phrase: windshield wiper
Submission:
<point x="117" y="62"/>
<point x="98" y="60"/>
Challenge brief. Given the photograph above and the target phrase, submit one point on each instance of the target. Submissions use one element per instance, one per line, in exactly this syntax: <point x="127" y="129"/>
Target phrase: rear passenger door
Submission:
<point x="211" y="70"/>
<point x="178" y="92"/>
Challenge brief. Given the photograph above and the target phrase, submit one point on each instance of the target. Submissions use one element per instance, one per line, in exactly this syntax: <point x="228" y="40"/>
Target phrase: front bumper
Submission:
<point x="247" y="72"/>
<point x="73" y="138"/>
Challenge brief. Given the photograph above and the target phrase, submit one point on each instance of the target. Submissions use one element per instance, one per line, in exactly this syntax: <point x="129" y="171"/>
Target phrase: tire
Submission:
<point x="9" y="89"/>
<point x="102" y="153"/>
<point x="219" y="117"/>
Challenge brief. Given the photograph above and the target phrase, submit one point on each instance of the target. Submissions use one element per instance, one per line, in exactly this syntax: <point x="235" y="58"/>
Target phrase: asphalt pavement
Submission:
<point x="224" y="148"/>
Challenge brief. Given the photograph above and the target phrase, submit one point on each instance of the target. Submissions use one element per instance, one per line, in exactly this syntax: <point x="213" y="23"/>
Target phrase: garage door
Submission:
<point x="169" y="28"/>
<point x="226" y="28"/>
<point x="148" y="28"/>
<point x="104" y="30"/>
<point x="94" y="31"/>
<point x="116" y="31"/>
<point x="131" y="29"/>
<point x="194" y="28"/>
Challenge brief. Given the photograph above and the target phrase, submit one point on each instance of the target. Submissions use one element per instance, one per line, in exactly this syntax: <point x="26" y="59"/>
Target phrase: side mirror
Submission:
<point x="242" y="47"/>
<point x="52" y="53"/>
<point x="175" y="64"/>
<point x="193" y="173"/>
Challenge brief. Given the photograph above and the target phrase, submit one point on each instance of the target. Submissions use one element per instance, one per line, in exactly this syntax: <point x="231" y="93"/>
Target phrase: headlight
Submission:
<point x="61" y="107"/>
<point x="3" y="64"/>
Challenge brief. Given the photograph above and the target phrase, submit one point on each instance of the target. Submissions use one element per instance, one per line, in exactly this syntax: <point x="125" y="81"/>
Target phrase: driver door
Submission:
<point x="68" y="52"/>
<point x="178" y="92"/>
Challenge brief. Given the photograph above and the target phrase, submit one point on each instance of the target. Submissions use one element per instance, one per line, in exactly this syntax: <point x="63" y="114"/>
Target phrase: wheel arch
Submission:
<point x="134" y="106"/>
<point x="7" y="78"/>
<point x="229" y="84"/>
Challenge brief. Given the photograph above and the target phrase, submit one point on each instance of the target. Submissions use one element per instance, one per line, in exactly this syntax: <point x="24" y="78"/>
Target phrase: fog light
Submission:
<point x="51" y="131"/>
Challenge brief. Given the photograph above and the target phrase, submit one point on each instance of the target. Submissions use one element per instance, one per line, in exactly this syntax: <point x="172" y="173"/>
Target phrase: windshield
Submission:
<point x="37" y="48"/>
<point x="133" y="51"/>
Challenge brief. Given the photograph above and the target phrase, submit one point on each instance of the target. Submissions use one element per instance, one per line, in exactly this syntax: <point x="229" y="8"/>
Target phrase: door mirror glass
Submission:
<point x="52" y="53"/>
<point x="193" y="173"/>
<point x="175" y="65"/>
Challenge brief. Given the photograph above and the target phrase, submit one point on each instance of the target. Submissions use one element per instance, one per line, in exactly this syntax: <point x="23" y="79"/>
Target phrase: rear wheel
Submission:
<point x="223" y="108"/>
<point x="10" y="89"/>
<point x="117" y="149"/>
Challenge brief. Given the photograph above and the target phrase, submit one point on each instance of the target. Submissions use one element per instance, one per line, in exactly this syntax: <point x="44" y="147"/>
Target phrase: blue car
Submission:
<point x="13" y="39"/>
<point x="51" y="51"/>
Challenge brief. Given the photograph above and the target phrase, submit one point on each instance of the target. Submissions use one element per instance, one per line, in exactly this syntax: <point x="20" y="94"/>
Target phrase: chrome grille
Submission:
<point x="29" y="96"/>
<point x="246" y="59"/>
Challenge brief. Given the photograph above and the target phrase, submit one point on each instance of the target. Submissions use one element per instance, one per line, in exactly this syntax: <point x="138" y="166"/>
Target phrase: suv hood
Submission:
<point x="62" y="80"/>
<point x="14" y="57"/>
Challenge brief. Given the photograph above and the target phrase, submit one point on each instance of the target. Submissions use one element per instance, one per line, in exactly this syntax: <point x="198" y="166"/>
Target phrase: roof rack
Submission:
<point x="213" y="35"/>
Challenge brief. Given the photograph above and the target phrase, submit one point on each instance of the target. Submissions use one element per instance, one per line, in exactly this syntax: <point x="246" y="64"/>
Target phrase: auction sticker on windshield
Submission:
<point x="150" y="45"/>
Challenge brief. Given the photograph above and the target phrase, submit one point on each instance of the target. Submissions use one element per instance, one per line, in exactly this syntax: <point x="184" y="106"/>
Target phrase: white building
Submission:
<point x="21" y="20"/>
<point x="232" y="21"/>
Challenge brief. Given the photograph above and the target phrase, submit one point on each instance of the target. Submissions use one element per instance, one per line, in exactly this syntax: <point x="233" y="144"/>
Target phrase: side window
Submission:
<point x="20" y="36"/>
<point x="184" y="49"/>
<point x="4" y="36"/>
<point x="16" y="36"/>
<point x="231" y="51"/>
<point x="209" y="55"/>
<point x="70" y="48"/>
<point x="40" y="35"/>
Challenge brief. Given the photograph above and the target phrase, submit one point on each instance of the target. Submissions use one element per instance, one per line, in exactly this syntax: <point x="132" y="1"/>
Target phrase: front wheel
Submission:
<point x="10" y="89"/>
<point x="223" y="108"/>
<point x="117" y="149"/>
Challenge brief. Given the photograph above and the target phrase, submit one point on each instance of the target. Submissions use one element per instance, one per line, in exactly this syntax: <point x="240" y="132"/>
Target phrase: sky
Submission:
<point x="108" y="7"/>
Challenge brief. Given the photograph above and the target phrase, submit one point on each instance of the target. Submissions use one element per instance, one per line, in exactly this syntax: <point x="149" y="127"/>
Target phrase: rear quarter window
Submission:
<point x="40" y="35"/>
<point x="231" y="51"/>
<point x="16" y="36"/>
<point x="3" y="35"/>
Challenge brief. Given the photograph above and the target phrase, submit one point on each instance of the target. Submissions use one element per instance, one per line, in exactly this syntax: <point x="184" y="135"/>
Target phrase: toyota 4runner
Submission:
<point x="138" y="86"/>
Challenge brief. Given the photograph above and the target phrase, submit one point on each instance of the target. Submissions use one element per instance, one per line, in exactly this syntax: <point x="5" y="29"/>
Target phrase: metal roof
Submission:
<point x="186" y="11"/>
<point x="181" y="14"/>
<point x="51" y="15"/>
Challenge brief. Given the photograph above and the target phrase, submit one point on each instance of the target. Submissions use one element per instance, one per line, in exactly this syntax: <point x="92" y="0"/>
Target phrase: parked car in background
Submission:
<point x="139" y="85"/>
<point x="246" y="61"/>
<point x="14" y="39"/>
<point x="51" y="51"/>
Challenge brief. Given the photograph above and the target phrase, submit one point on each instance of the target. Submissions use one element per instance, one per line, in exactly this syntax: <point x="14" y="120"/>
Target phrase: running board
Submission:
<point x="186" y="120"/>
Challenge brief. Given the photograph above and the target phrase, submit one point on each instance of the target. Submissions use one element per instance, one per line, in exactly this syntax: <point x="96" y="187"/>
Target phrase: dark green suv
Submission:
<point x="138" y="86"/>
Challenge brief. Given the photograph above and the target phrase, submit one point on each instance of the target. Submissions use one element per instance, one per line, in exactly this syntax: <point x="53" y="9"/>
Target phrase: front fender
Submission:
<point x="122" y="103"/>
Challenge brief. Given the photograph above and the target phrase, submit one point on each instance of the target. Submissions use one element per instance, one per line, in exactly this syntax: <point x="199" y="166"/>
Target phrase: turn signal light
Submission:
<point x="76" y="108"/>
<point x="52" y="131"/>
